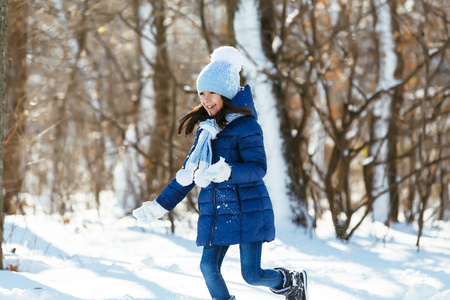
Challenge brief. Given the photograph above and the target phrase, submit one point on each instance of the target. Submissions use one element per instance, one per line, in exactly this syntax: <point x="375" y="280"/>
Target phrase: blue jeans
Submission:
<point x="252" y="273"/>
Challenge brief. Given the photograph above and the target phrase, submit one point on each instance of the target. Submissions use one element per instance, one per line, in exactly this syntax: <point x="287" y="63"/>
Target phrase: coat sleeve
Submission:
<point x="253" y="165"/>
<point x="174" y="193"/>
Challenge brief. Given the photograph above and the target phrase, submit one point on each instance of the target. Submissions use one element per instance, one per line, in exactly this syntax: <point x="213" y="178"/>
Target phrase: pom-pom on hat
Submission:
<point x="221" y="75"/>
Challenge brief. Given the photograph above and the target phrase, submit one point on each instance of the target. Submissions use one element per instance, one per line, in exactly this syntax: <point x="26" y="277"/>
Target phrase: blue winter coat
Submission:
<point x="238" y="210"/>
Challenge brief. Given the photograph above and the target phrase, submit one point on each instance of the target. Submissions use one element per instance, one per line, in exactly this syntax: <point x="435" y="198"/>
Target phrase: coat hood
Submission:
<point x="244" y="99"/>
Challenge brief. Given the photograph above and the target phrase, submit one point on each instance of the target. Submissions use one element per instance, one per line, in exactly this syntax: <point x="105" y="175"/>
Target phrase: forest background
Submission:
<point x="92" y="92"/>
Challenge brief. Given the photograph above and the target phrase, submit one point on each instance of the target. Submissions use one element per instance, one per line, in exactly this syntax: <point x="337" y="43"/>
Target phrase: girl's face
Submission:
<point x="212" y="102"/>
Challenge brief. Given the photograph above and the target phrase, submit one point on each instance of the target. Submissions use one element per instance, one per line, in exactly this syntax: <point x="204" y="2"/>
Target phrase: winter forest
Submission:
<point x="353" y="97"/>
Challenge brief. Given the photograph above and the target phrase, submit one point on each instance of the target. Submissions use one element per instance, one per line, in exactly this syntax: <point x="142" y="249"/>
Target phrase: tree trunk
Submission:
<point x="410" y="213"/>
<point x="157" y="174"/>
<point x="3" y="41"/>
<point x="232" y="6"/>
<point x="396" y="104"/>
<point x="444" y="194"/>
<point x="204" y="29"/>
<point x="61" y="160"/>
<point x="382" y="114"/>
<point x="296" y="189"/>
<point x="16" y="77"/>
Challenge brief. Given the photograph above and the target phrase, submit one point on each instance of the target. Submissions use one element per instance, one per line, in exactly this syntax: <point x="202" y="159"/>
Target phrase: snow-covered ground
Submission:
<point x="86" y="257"/>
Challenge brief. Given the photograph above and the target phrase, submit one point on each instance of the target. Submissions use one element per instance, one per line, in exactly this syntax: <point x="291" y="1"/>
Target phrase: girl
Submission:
<point x="228" y="162"/>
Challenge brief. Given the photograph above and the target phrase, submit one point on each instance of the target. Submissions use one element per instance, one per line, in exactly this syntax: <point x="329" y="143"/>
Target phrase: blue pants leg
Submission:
<point x="251" y="270"/>
<point x="210" y="265"/>
<point x="251" y="267"/>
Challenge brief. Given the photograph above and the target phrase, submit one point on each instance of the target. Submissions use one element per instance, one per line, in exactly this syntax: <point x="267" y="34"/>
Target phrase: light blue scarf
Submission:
<point x="201" y="157"/>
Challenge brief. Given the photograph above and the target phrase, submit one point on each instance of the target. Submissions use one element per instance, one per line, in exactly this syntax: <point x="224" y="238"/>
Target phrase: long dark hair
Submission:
<point x="199" y="113"/>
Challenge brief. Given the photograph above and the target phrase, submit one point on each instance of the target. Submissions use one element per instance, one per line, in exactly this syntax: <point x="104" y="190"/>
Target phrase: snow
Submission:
<point x="112" y="257"/>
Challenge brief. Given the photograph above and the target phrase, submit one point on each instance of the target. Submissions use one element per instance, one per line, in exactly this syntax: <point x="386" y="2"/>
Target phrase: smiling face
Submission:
<point x="212" y="102"/>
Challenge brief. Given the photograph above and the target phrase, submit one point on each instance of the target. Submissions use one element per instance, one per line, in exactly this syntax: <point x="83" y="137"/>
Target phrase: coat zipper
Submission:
<point x="215" y="218"/>
<point x="240" y="211"/>
<point x="239" y="198"/>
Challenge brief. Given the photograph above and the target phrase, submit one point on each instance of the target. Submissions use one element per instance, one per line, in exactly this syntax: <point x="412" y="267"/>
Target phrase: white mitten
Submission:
<point x="200" y="178"/>
<point x="218" y="172"/>
<point x="185" y="175"/>
<point x="149" y="212"/>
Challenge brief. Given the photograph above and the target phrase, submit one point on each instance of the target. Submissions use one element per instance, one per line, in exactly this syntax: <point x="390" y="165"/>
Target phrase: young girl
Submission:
<point x="228" y="162"/>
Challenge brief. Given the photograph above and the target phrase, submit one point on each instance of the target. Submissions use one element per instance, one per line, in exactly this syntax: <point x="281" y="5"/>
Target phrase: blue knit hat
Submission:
<point x="221" y="75"/>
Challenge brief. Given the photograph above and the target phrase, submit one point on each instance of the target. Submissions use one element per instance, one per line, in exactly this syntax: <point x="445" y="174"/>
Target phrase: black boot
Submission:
<point x="295" y="285"/>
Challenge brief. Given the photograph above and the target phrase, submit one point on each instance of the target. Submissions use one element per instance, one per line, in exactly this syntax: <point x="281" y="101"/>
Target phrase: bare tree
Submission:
<point x="157" y="175"/>
<point x="287" y="125"/>
<point x="14" y="147"/>
<point x="328" y="61"/>
<point x="86" y="103"/>
<point x="3" y="41"/>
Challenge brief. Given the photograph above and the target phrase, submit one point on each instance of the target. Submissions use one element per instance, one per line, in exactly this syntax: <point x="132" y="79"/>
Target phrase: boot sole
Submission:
<point x="305" y="284"/>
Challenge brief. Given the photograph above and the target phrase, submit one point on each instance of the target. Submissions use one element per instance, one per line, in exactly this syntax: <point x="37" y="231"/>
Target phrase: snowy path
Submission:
<point x="120" y="260"/>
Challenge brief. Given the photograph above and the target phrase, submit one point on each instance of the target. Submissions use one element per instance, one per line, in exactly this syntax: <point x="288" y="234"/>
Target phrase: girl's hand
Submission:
<point x="149" y="212"/>
<point x="218" y="172"/>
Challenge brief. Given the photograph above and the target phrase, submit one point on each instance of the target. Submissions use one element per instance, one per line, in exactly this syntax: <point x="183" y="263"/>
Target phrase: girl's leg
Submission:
<point x="210" y="264"/>
<point x="251" y="267"/>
